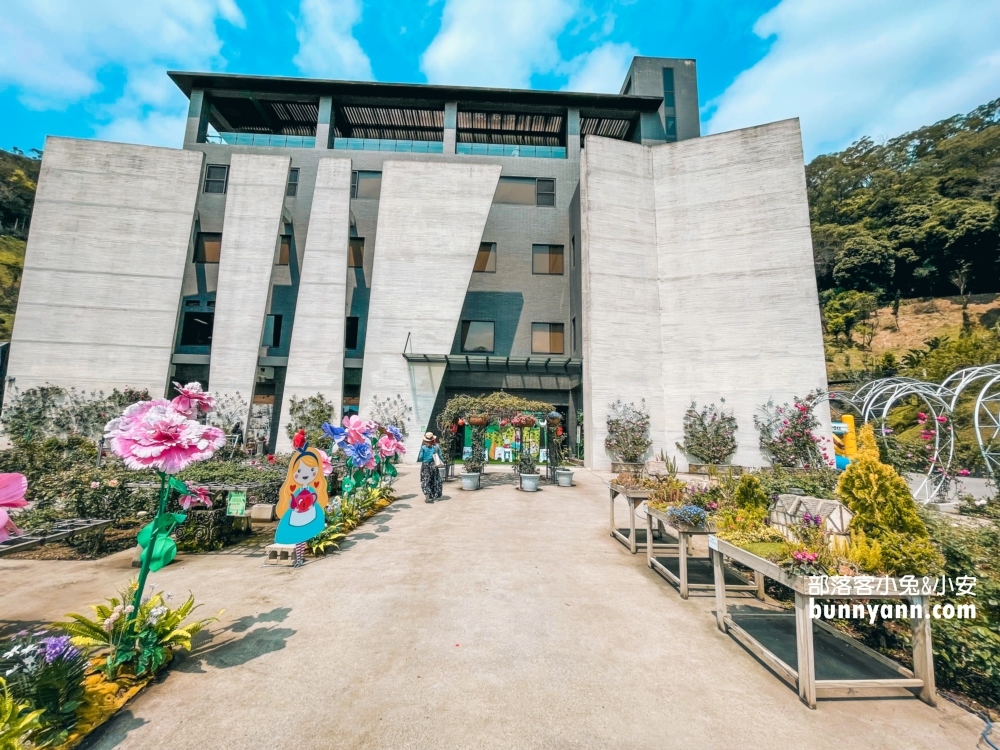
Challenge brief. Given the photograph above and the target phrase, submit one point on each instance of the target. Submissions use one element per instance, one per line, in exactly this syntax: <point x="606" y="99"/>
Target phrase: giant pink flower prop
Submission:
<point x="154" y="435"/>
<point x="387" y="446"/>
<point x="12" y="489"/>
<point x="327" y="465"/>
<point x="357" y="429"/>
<point x="192" y="399"/>
<point x="200" y="496"/>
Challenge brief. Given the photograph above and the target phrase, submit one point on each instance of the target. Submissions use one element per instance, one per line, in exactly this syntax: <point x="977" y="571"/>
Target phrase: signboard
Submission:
<point x="839" y="428"/>
<point x="236" y="503"/>
<point x="713" y="543"/>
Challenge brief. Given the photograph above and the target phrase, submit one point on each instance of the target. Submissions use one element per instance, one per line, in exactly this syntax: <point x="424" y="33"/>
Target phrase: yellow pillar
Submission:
<point x="851" y="438"/>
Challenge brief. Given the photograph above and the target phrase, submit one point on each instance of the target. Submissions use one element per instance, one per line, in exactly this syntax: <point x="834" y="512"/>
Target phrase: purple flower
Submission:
<point x="360" y="455"/>
<point x="395" y="432"/>
<point x="337" y="434"/>
<point x="58" y="646"/>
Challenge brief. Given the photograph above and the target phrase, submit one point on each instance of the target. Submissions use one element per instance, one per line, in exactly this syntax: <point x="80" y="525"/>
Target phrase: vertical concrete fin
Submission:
<point x="430" y="223"/>
<point x="254" y="202"/>
<point x="738" y="302"/>
<point x="104" y="265"/>
<point x="316" y="351"/>
<point x="621" y="327"/>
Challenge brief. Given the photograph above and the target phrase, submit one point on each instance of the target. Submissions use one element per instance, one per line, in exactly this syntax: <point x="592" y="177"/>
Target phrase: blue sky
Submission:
<point x="847" y="68"/>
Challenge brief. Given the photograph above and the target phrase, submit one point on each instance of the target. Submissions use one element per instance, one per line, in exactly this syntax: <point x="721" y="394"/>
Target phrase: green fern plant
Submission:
<point x="16" y="720"/>
<point x="140" y="645"/>
<point x="328" y="538"/>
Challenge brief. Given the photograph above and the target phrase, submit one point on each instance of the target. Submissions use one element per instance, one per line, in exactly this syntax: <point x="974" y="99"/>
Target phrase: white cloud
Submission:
<point x="501" y="44"/>
<point x="326" y="46"/>
<point x="53" y="50"/>
<point x="855" y="68"/>
<point x="602" y="70"/>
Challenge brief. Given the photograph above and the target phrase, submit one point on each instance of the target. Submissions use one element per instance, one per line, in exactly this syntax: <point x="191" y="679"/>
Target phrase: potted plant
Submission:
<point x="564" y="476"/>
<point x="528" y="470"/>
<point x="475" y="462"/>
<point x="628" y="436"/>
<point x="709" y="436"/>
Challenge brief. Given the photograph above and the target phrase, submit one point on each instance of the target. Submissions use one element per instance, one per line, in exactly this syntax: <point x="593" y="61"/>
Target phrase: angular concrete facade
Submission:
<point x="430" y="223"/>
<point x="316" y="353"/>
<point x="254" y="202"/>
<point x="733" y="312"/>
<point x="102" y="275"/>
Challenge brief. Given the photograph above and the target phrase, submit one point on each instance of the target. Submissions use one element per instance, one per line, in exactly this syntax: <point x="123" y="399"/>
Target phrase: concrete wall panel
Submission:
<point x="316" y="354"/>
<point x="430" y="223"/>
<point x="620" y="297"/>
<point x="738" y="300"/>
<point x="104" y="264"/>
<point x="254" y="202"/>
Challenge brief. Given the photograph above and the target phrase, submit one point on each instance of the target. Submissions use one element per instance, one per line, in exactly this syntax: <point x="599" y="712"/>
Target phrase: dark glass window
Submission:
<point x="196" y="330"/>
<point x="272" y="331"/>
<point x="572" y="251"/>
<point x="573" y="340"/>
<point x="486" y="260"/>
<point x="547" y="338"/>
<point x="216" y="176"/>
<point x="351" y="333"/>
<point x="547" y="259"/>
<point x="207" y="247"/>
<point x="366" y="184"/>
<point x="292" y="188"/>
<point x="668" y="87"/>
<point x="284" y="249"/>
<point x="671" y="128"/>
<point x="477" y="336"/>
<point x="517" y="190"/>
<point x="356" y="253"/>
<point x="545" y="193"/>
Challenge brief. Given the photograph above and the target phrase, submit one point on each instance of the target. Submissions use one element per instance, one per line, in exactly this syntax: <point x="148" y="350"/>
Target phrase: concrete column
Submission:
<point x="450" y="126"/>
<point x="573" y="134"/>
<point x="323" y="122"/>
<point x="197" y="118"/>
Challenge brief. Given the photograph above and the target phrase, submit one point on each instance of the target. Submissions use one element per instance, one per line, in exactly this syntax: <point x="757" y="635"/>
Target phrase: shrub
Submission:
<point x="817" y="482"/>
<point x="137" y="645"/>
<point x="477" y="457"/>
<point x="46" y="672"/>
<point x="786" y="434"/>
<point x="885" y="511"/>
<point x="628" y="431"/>
<point x="51" y="411"/>
<point x="750" y="493"/>
<point x="392" y="411"/>
<point x="709" y="434"/>
<point x="309" y="414"/>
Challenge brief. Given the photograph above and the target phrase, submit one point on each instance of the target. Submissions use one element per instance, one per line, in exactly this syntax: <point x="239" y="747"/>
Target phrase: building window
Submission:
<point x="284" y="249"/>
<point x="272" y="331"/>
<point x="366" y="184"/>
<point x="572" y="330"/>
<point x="207" y="247"/>
<point x="351" y="333"/>
<point x="668" y="88"/>
<point x="517" y="190"/>
<point x="572" y="250"/>
<point x="547" y="259"/>
<point x="196" y="329"/>
<point x="486" y="260"/>
<point x="216" y="177"/>
<point x="545" y="193"/>
<point x="292" y="188"/>
<point x="547" y="338"/>
<point x="671" y="123"/>
<point x="477" y="336"/>
<point x="356" y="253"/>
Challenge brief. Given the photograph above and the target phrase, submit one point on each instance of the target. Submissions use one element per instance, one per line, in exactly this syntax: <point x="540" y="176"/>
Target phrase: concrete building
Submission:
<point x="364" y="240"/>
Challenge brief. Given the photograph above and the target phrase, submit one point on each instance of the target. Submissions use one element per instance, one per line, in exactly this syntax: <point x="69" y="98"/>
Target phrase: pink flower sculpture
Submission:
<point x="964" y="472"/>
<point x="387" y="446"/>
<point x="192" y="399"/>
<point x="154" y="435"/>
<point x="12" y="489"/>
<point x="357" y="429"/>
<point x="200" y="497"/>
<point x="327" y="465"/>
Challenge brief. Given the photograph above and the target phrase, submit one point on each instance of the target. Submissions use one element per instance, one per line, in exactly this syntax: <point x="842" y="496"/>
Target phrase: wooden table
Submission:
<point x="684" y="534"/>
<point x="803" y="675"/>
<point x="633" y="496"/>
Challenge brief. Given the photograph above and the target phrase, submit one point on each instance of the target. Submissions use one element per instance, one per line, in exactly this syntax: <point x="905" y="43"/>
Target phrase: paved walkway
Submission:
<point x="493" y="619"/>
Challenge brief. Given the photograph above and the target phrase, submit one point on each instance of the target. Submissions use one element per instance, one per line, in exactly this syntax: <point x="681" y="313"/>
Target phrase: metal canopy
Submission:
<point x="396" y="123"/>
<point x="543" y="364"/>
<point x="514" y="128"/>
<point x="246" y="112"/>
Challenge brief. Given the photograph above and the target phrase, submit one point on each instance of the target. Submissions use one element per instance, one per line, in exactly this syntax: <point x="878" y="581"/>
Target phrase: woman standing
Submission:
<point x="430" y="477"/>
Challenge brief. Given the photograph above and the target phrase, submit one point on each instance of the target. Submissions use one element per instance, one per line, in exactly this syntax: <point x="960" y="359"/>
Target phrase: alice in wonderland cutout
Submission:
<point x="303" y="497"/>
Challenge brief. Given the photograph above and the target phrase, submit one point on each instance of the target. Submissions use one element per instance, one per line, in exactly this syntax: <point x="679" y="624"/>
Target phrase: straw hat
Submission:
<point x="429" y="437"/>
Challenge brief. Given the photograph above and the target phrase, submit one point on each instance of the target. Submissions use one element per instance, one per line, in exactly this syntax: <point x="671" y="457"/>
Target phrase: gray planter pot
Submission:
<point x="529" y="482"/>
<point x="470" y="481"/>
<point x="564" y="477"/>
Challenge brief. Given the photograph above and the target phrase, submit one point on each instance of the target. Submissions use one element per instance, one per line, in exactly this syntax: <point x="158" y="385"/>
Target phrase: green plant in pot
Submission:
<point x="527" y="468"/>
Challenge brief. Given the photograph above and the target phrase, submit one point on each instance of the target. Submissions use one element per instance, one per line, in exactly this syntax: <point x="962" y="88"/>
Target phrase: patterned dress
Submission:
<point x="430" y="477"/>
